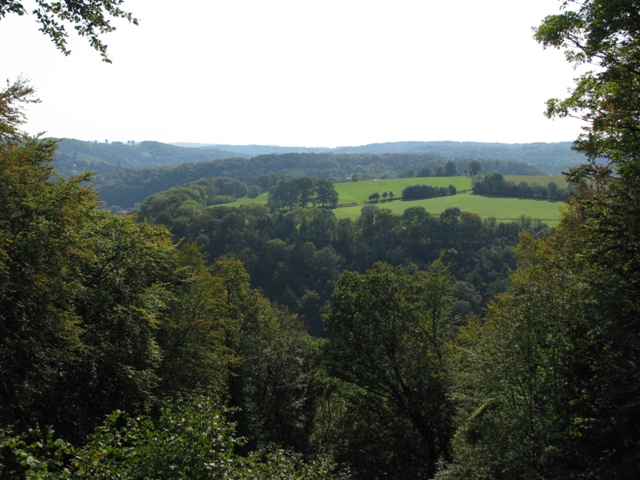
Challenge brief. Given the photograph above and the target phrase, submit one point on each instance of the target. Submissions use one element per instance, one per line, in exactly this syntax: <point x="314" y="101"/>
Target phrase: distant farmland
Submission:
<point x="358" y="192"/>
<point x="503" y="209"/>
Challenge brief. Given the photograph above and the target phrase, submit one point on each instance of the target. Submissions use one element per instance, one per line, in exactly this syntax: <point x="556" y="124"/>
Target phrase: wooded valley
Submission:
<point x="194" y="339"/>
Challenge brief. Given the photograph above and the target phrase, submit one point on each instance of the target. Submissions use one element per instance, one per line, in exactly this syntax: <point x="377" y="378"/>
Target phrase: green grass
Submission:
<point x="503" y="209"/>
<point x="358" y="192"/>
<point x="262" y="198"/>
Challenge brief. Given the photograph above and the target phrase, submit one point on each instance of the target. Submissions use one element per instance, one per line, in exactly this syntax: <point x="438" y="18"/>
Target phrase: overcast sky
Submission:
<point x="300" y="73"/>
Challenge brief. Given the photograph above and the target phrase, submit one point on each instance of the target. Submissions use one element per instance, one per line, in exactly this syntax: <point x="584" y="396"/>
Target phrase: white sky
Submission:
<point x="300" y="73"/>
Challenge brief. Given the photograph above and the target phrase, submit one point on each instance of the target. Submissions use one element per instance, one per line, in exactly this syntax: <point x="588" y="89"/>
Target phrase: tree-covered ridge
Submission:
<point x="75" y="156"/>
<point x="100" y="156"/>
<point x="553" y="158"/>
<point x="130" y="186"/>
<point x="125" y="355"/>
<point x="295" y="257"/>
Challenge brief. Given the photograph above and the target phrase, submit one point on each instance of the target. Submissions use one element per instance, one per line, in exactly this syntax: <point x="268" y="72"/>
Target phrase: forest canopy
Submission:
<point x="130" y="350"/>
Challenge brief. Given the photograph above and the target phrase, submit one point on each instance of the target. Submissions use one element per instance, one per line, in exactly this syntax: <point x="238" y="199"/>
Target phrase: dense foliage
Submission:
<point x="124" y="355"/>
<point x="295" y="257"/>
<point x="104" y="317"/>
<point x="390" y="329"/>
<point x="495" y="184"/>
<point x="419" y="192"/>
<point x="302" y="191"/>
<point x="552" y="158"/>
<point x="74" y="157"/>
<point x="556" y="392"/>
<point x="127" y="187"/>
<point x="192" y="198"/>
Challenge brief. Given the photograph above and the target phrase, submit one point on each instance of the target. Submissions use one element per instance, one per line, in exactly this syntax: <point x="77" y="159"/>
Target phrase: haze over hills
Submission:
<point x="553" y="158"/>
<point x="75" y="156"/>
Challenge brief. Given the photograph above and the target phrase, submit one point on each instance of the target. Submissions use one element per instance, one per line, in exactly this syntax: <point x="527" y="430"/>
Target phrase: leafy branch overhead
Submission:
<point x="89" y="18"/>
<point x="603" y="34"/>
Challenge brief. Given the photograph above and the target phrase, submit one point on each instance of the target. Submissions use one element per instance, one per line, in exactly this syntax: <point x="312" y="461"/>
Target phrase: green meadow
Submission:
<point x="354" y="195"/>
<point x="358" y="192"/>
<point x="503" y="209"/>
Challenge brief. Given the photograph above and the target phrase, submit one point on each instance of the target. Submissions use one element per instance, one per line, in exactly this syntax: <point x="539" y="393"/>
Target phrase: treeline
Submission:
<point x="74" y="157"/>
<point x="495" y="184"/>
<point x="126" y="355"/>
<point x="302" y="191"/>
<point x="295" y="257"/>
<point x="420" y="192"/>
<point x="552" y="158"/>
<point x="103" y="156"/>
<point x="130" y="186"/>
<point x="123" y="355"/>
<point x="191" y="198"/>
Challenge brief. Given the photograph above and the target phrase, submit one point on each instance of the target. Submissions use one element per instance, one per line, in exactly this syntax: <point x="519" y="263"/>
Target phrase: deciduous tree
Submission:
<point x="563" y="345"/>
<point x="89" y="18"/>
<point x="474" y="168"/>
<point x="389" y="345"/>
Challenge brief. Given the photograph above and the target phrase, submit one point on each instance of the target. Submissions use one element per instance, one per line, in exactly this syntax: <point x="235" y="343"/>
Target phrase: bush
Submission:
<point x="188" y="439"/>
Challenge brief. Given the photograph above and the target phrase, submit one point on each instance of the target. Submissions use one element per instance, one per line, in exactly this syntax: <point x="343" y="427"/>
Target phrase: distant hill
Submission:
<point x="126" y="173"/>
<point x="126" y="187"/>
<point x="76" y="156"/>
<point x="552" y="158"/>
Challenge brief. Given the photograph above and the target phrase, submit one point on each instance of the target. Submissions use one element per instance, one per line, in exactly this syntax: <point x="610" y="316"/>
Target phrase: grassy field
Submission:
<point x="503" y="209"/>
<point x="246" y="200"/>
<point x="358" y="192"/>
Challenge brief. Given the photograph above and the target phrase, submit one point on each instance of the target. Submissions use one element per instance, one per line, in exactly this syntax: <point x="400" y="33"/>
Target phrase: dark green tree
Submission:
<point x="562" y="345"/>
<point x="605" y="207"/>
<point x="517" y="392"/>
<point x="389" y="347"/>
<point x="474" y="168"/>
<point x="285" y="195"/>
<point x="424" y="172"/>
<point x="299" y="192"/>
<point x="273" y="380"/>
<point x="192" y="438"/>
<point x="438" y="171"/>
<point x="325" y="193"/>
<point x="450" y="169"/>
